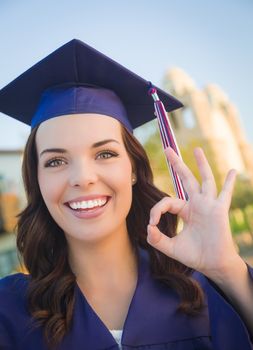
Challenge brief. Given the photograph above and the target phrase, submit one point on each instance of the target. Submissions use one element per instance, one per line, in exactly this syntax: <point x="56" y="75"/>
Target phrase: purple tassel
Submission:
<point x="168" y="140"/>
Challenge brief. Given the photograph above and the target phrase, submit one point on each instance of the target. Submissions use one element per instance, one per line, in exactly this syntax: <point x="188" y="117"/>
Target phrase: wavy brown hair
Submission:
<point x="43" y="247"/>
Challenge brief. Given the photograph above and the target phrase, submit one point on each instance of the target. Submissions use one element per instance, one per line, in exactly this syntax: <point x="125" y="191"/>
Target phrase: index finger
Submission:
<point x="189" y="181"/>
<point x="167" y="204"/>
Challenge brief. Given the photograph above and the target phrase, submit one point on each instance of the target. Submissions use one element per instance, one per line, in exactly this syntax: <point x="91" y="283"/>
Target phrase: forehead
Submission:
<point x="70" y="130"/>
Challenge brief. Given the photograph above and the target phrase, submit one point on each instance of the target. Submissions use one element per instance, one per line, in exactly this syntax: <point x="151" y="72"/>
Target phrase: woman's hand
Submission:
<point x="205" y="242"/>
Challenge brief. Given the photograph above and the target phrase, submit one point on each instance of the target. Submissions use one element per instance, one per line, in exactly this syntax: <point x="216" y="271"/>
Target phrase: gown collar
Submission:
<point x="152" y="316"/>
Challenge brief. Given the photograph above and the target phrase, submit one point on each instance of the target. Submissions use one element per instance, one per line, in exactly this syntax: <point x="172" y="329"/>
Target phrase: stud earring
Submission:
<point x="134" y="179"/>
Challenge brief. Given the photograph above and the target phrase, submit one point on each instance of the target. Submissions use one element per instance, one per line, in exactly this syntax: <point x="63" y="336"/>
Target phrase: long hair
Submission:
<point x="43" y="247"/>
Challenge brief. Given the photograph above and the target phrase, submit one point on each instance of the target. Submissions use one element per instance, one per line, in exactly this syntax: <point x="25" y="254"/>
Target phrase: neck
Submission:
<point x="104" y="264"/>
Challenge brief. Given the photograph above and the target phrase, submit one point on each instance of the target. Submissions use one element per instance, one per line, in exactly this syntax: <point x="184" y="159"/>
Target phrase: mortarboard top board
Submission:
<point x="76" y="64"/>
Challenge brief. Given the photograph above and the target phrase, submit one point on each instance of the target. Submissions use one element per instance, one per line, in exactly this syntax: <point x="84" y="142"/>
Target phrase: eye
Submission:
<point x="55" y="162"/>
<point x="106" y="154"/>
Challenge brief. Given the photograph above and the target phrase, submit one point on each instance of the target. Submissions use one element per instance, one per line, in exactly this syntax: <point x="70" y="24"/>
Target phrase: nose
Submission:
<point x="82" y="174"/>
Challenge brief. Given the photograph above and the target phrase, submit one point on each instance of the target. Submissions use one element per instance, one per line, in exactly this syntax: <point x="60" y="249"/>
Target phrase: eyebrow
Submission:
<point x="62" y="150"/>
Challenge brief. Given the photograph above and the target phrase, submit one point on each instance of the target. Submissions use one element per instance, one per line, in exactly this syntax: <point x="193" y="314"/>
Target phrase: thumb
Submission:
<point x="160" y="241"/>
<point x="154" y="235"/>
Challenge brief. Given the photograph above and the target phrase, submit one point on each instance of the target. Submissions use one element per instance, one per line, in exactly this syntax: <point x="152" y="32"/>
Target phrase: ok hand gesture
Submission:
<point x="205" y="242"/>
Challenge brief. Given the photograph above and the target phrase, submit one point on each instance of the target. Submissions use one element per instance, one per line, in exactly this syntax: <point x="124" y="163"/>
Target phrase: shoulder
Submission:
<point x="14" y="315"/>
<point x="13" y="290"/>
<point x="13" y="304"/>
<point x="14" y="282"/>
<point x="199" y="277"/>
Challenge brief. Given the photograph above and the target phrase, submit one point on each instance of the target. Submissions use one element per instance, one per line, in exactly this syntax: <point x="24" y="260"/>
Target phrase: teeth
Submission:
<point x="87" y="204"/>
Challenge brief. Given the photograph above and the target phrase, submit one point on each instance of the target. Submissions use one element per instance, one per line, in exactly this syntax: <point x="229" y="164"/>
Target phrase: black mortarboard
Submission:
<point x="78" y="79"/>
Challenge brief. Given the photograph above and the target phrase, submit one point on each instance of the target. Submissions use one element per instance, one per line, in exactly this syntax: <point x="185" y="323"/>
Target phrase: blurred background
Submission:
<point x="200" y="51"/>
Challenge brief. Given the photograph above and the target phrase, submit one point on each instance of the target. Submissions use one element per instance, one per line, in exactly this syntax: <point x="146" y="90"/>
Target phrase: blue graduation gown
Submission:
<point x="152" y="322"/>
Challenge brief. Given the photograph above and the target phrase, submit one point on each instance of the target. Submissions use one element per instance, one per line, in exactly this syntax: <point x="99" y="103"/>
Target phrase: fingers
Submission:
<point x="190" y="184"/>
<point x="159" y="241"/>
<point x="208" y="182"/>
<point x="227" y="189"/>
<point x="167" y="204"/>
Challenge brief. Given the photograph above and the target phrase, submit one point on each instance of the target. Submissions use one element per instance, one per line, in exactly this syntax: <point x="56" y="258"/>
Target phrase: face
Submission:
<point x="85" y="175"/>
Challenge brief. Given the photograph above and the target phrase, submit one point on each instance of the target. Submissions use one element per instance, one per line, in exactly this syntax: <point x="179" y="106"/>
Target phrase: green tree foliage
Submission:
<point x="243" y="194"/>
<point x="158" y="163"/>
<point x="242" y="202"/>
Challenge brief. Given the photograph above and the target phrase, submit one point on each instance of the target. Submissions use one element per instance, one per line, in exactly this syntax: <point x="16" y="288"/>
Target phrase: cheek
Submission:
<point x="50" y="188"/>
<point x="120" y="180"/>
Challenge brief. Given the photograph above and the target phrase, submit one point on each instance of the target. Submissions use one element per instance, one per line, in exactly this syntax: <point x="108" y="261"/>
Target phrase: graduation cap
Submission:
<point x="78" y="79"/>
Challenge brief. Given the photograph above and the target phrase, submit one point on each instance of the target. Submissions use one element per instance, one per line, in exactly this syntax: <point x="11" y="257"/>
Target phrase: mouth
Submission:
<point x="88" y="205"/>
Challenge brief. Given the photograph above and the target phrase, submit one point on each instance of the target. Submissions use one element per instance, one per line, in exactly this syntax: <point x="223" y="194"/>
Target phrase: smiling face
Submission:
<point x="85" y="175"/>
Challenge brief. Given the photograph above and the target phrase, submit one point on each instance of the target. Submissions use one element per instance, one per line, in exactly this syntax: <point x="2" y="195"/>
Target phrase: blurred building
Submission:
<point x="12" y="196"/>
<point x="12" y="199"/>
<point x="210" y="119"/>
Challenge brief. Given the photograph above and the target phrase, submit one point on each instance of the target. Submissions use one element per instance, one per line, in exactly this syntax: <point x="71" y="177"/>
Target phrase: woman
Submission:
<point x="98" y="239"/>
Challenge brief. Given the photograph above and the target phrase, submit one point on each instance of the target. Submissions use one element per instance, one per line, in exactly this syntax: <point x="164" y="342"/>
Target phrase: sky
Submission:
<point x="210" y="40"/>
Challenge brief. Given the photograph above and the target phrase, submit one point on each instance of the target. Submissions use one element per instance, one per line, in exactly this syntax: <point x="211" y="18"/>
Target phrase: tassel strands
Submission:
<point x="168" y="140"/>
